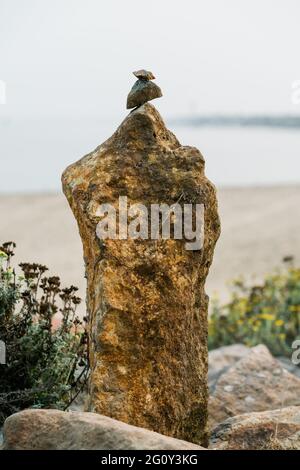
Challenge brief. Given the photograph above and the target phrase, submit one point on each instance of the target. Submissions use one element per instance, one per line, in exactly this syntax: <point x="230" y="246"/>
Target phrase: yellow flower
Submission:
<point x="267" y="316"/>
<point x="294" y="308"/>
<point x="279" y="322"/>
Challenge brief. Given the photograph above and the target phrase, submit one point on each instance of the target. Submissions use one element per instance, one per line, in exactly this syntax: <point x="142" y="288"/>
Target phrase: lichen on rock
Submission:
<point x="146" y="298"/>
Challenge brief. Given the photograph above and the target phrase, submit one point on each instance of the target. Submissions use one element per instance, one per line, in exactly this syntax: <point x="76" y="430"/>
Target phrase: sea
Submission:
<point x="238" y="151"/>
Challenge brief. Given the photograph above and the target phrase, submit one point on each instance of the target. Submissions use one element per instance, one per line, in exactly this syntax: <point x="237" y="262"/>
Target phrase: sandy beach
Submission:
<point x="259" y="226"/>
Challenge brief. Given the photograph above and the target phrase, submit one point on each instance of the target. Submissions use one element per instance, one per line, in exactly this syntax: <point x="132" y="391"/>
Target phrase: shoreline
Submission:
<point x="258" y="230"/>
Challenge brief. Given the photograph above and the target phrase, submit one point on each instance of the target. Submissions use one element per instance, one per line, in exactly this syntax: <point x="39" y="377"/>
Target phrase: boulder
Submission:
<point x="257" y="382"/>
<point x="266" y="430"/>
<point x="220" y="359"/>
<point x="288" y="365"/>
<point x="61" y="430"/>
<point x="145" y="297"/>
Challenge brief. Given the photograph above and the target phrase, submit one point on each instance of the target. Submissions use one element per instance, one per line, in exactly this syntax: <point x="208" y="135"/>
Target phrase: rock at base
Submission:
<point x="257" y="382"/>
<point x="220" y="359"/>
<point x="61" y="430"/>
<point x="267" y="430"/>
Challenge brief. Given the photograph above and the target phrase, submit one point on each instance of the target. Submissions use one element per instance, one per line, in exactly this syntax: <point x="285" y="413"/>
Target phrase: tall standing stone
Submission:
<point x="146" y="298"/>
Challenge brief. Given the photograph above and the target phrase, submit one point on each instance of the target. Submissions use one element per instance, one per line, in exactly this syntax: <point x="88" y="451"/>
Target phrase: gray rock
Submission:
<point x="267" y="430"/>
<point x="288" y="365"/>
<point x="219" y="360"/>
<point x="141" y="92"/>
<point x="257" y="382"/>
<point x="60" y="430"/>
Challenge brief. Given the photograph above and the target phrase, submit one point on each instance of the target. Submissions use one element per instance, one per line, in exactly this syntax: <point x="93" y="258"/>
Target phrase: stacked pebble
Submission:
<point x="143" y="90"/>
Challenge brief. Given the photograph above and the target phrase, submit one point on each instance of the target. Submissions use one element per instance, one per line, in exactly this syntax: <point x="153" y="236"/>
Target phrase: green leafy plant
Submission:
<point x="268" y="313"/>
<point x="46" y="343"/>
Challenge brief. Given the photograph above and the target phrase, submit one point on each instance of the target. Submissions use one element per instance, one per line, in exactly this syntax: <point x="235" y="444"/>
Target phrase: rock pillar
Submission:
<point x="145" y="298"/>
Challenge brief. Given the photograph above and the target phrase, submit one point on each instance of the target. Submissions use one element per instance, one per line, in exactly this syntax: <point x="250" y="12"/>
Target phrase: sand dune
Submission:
<point x="259" y="227"/>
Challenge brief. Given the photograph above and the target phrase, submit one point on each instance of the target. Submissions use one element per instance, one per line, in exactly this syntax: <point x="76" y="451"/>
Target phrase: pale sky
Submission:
<point x="75" y="57"/>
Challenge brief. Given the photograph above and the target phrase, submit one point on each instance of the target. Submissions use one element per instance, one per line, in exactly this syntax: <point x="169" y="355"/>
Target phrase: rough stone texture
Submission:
<point x="141" y="92"/>
<point x="60" y="430"/>
<point x="257" y="382"/>
<point x="267" y="430"/>
<point x="219" y="360"/>
<point x="146" y="298"/>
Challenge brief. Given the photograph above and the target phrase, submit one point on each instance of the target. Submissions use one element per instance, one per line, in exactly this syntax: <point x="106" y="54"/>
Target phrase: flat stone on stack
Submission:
<point x="143" y="90"/>
<point x="144" y="74"/>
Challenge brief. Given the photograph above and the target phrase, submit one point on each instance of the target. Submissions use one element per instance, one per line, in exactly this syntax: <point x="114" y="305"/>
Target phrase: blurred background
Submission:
<point x="230" y="76"/>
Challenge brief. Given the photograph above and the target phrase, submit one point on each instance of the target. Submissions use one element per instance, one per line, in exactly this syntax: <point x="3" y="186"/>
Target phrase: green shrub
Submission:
<point x="268" y="313"/>
<point x="46" y="363"/>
